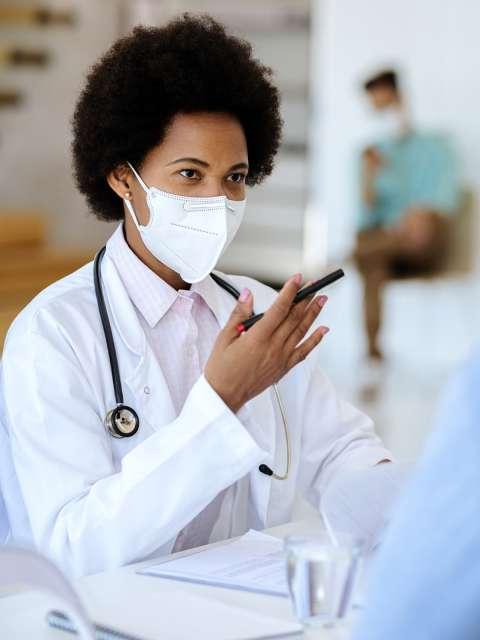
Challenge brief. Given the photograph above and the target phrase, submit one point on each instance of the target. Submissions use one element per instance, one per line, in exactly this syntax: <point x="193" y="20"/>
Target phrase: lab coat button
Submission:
<point x="146" y="390"/>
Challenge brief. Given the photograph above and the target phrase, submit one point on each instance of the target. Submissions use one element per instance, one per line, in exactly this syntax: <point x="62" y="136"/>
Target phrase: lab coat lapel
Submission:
<point x="140" y="370"/>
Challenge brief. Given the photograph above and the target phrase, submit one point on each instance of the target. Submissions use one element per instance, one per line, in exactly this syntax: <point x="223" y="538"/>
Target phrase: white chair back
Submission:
<point x="20" y="567"/>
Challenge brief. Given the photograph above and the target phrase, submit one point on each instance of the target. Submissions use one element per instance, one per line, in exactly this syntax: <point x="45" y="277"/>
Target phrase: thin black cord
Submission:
<point x="226" y="285"/>
<point x="107" y="330"/>
<point x="263" y="468"/>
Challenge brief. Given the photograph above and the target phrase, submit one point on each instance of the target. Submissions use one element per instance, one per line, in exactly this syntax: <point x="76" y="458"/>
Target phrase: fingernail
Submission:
<point x="325" y="330"/>
<point x="244" y="295"/>
<point x="321" y="300"/>
<point x="297" y="278"/>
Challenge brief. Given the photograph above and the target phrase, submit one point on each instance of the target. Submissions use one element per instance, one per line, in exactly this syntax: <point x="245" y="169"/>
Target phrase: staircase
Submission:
<point x="27" y="263"/>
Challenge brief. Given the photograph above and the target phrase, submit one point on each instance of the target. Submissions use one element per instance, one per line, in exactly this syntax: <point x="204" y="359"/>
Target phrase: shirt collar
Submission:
<point x="218" y="300"/>
<point x="151" y="295"/>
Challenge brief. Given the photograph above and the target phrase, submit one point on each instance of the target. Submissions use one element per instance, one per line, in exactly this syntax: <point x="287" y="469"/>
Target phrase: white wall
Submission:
<point x="35" y="162"/>
<point x="434" y="43"/>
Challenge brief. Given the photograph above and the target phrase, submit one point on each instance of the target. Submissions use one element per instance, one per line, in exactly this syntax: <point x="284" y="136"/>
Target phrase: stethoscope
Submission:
<point x="122" y="421"/>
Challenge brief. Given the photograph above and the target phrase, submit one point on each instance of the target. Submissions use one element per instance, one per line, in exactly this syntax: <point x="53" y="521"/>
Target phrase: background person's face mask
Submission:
<point x="387" y="123"/>
<point x="188" y="234"/>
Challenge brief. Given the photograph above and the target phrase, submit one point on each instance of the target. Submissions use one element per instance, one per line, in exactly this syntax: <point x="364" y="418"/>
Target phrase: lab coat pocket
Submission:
<point x="149" y="392"/>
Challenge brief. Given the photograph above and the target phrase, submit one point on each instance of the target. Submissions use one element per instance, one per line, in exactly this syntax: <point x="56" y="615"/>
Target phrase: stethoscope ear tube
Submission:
<point x="287" y="440"/>
<point x="263" y="468"/>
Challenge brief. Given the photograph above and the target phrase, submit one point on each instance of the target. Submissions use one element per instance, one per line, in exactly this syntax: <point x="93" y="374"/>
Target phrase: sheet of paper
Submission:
<point x="254" y="562"/>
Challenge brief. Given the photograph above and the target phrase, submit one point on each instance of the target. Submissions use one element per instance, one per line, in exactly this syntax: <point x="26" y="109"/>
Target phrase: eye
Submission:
<point x="190" y="174"/>
<point x="238" y="178"/>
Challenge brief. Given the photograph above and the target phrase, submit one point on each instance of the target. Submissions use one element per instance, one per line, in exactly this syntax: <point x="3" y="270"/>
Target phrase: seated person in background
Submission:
<point x="426" y="580"/>
<point x="408" y="189"/>
<point x="173" y="124"/>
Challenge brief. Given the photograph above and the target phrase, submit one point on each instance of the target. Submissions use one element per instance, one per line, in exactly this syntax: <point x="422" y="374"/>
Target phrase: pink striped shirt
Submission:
<point x="181" y="329"/>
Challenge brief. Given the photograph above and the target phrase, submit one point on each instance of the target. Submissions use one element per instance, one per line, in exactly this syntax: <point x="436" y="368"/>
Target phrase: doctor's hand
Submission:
<point x="242" y="366"/>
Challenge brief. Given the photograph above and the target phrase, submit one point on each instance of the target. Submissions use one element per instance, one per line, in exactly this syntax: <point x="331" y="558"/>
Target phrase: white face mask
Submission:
<point x="387" y="123"/>
<point x="188" y="234"/>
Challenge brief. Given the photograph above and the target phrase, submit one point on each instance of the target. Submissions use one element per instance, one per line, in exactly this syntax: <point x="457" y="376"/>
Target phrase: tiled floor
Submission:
<point x="429" y="328"/>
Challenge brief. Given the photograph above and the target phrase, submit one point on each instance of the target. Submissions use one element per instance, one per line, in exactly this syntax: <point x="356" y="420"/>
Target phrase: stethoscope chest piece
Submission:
<point x="122" y="422"/>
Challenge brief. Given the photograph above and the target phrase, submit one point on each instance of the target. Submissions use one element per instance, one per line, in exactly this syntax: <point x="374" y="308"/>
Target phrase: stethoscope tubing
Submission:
<point x="115" y="369"/>
<point x="107" y="329"/>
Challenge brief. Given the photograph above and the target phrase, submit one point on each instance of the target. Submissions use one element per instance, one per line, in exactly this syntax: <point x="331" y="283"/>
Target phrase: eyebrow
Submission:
<point x="202" y="163"/>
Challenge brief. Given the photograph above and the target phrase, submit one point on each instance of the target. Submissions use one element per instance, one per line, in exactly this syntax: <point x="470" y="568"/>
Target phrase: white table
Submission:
<point x="22" y="616"/>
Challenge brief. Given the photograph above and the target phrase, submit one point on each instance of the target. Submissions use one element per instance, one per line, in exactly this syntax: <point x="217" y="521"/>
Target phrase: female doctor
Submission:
<point x="189" y="442"/>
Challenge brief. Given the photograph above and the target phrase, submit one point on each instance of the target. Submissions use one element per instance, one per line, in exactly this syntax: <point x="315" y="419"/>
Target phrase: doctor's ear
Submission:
<point x="120" y="180"/>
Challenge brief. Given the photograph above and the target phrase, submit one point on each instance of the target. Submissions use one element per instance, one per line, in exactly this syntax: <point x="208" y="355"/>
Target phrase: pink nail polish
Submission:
<point x="298" y="278"/>
<point x="325" y="331"/>
<point x="244" y="295"/>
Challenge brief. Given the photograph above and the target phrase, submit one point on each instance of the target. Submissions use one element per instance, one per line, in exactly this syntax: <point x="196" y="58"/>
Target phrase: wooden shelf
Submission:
<point x="36" y="16"/>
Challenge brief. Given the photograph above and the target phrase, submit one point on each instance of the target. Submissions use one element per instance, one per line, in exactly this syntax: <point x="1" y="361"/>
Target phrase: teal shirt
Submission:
<point x="420" y="171"/>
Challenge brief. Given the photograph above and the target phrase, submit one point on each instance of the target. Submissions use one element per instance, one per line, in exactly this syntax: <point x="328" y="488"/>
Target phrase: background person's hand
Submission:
<point x="242" y="366"/>
<point x="372" y="160"/>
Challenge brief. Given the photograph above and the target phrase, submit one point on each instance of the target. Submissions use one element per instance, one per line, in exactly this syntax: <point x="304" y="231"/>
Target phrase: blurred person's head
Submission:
<point x="382" y="90"/>
<point x="187" y="105"/>
<point x="387" y="105"/>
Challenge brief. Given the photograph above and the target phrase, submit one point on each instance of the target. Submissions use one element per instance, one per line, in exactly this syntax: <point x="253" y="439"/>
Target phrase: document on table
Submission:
<point x="255" y="562"/>
<point x="171" y="612"/>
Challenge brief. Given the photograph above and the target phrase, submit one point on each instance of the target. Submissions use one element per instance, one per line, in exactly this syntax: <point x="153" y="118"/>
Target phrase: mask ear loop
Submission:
<point x="143" y="185"/>
<point x="132" y="213"/>
<point x="128" y="204"/>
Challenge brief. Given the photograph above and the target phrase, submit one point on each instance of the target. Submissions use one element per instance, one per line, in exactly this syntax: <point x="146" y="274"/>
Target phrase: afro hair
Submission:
<point x="134" y="91"/>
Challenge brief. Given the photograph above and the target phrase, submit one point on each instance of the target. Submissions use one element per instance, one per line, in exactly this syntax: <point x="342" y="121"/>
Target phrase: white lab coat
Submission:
<point x="95" y="502"/>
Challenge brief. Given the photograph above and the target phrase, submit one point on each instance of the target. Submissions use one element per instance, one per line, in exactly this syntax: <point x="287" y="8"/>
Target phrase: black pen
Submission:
<point x="301" y="295"/>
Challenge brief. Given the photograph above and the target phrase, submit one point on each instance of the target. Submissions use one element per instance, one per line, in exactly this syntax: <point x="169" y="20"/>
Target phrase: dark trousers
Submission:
<point x="382" y="255"/>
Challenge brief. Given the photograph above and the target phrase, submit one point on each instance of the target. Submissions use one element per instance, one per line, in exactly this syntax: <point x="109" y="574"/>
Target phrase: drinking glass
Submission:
<point x="322" y="575"/>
